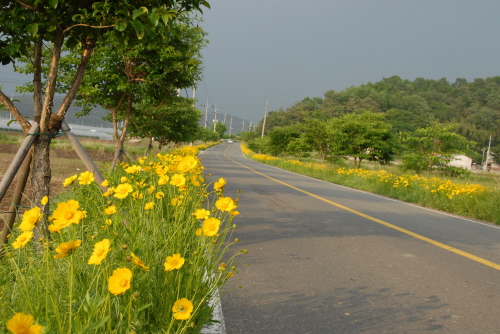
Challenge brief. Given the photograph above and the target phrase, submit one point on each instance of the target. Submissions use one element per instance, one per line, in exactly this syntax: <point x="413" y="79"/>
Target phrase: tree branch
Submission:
<point x="80" y="73"/>
<point x="86" y="25"/>
<point x="15" y="112"/>
<point x="26" y="5"/>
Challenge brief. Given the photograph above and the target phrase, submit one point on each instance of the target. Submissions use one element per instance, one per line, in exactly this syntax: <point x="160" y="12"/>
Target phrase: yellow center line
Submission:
<point x="397" y="228"/>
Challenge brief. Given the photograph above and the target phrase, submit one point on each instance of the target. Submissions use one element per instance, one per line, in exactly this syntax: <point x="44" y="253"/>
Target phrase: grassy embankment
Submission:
<point x="475" y="196"/>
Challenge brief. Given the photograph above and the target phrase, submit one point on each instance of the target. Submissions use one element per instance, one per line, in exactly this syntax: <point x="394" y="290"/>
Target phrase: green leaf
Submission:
<point x="97" y="324"/>
<point x="154" y="19"/>
<point x="32" y="28"/>
<point x="139" y="29"/>
<point x="121" y="26"/>
<point x="53" y="3"/>
<point x="139" y="12"/>
<point x="143" y="307"/>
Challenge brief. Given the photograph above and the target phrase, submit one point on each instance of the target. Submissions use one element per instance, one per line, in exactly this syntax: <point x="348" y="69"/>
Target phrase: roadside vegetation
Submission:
<point x="475" y="196"/>
<point x="145" y="256"/>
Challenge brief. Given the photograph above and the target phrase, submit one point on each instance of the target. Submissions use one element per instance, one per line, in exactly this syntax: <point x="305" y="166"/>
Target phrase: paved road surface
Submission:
<point x="315" y="267"/>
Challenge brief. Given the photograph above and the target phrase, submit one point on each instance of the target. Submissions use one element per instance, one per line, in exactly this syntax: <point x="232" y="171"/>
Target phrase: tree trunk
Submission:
<point x="121" y="140"/>
<point x="40" y="180"/>
<point x="150" y="146"/>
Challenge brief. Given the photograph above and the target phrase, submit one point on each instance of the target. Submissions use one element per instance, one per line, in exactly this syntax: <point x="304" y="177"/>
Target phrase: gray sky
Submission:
<point x="283" y="51"/>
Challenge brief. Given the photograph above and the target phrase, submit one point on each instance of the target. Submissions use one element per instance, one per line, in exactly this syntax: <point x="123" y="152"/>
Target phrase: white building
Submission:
<point x="460" y="160"/>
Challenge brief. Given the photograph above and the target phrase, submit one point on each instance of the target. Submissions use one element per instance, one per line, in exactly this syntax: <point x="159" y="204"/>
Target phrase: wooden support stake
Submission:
<point x="89" y="164"/>
<point x="16" y="200"/>
<point x="18" y="160"/>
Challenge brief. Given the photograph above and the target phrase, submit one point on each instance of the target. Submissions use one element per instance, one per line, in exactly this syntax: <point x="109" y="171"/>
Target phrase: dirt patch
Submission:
<point x="64" y="162"/>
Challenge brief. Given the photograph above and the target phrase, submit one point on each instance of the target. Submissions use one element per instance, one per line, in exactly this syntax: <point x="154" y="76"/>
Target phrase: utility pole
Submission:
<point x="488" y="155"/>
<point x="230" y="127"/>
<point x="264" y="122"/>
<point x="206" y="112"/>
<point x="225" y="115"/>
<point x="250" y="127"/>
<point x="215" y="116"/>
<point x="243" y="128"/>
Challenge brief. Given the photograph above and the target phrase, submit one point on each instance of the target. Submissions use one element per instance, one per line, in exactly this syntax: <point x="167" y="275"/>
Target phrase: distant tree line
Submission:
<point x="391" y="112"/>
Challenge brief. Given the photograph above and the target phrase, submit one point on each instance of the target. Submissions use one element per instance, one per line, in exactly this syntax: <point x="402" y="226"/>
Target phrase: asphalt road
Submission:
<point x="347" y="261"/>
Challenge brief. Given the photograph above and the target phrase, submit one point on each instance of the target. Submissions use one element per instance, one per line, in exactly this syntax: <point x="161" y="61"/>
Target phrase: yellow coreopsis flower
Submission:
<point x="122" y="190"/>
<point x="137" y="195"/>
<point x="176" y="201"/>
<point x="22" y="323"/>
<point x="159" y="195"/>
<point x="124" y="179"/>
<point x="220" y="184"/>
<point x="182" y="309"/>
<point x="110" y="210"/>
<point x="161" y="170"/>
<point x="30" y="218"/>
<point x="150" y="189"/>
<point x="22" y="239"/>
<point x="163" y="179"/>
<point x="199" y="232"/>
<point x="65" y="247"/>
<point x="119" y="282"/>
<point x="105" y="183"/>
<point x="133" y="169"/>
<point x="149" y="206"/>
<point x="225" y="204"/>
<point x="201" y="214"/>
<point x="210" y="226"/>
<point x="86" y="178"/>
<point x="138" y="261"/>
<point x="174" y="262"/>
<point x="69" y="180"/>
<point x="44" y="200"/>
<point x="101" y="249"/>
<point x="66" y="213"/>
<point x="187" y="164"/>
<point x="178" y="180"/>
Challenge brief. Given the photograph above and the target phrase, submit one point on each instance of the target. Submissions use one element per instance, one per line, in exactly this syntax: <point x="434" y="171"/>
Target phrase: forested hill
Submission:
<point x="408" y="105"/>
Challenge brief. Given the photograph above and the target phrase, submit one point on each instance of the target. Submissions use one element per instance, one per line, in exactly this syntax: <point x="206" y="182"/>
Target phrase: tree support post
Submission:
<point x="24" y="173"/>
<point x="18" y="160"/>
<point x="82" y="154"/>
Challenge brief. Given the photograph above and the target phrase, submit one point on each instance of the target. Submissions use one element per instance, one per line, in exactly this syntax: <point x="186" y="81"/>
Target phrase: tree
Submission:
<point x="432" y="147"/>
<point x="315" y="135"/>
<point x="220" y="129"/>
<point x="363" y="136"/>
<point x="26" y="26"/>
<point x="174" y="122"/>
<point x="279" y="138"/>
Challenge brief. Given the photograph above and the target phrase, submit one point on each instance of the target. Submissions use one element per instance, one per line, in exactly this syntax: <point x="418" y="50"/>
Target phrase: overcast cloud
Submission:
<point x="282" y="51"/>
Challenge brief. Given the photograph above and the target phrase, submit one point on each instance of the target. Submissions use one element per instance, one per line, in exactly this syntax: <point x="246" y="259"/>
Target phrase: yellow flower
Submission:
<point x="66" y="247"/>
<point x="201" y="214"/>
<point x="105" y="183"/>
<point x="22" y="239"/>
<point x="66" y="213"/>
<point x="133" y="169"/>
<point x="138" y="261"/>
<point x="219" y="184"/>
<point x="124" y="179"/>
<point x="101" y="249"/>
<point x="149" y="206"/>
<point x="109" y="192"/>
<point x="163" y="179"/>
<point x="161" y="170"/>
<point x="159" y="195"/>
<point x="30" y="218"/>
<point x="210" y="226"/>
<point x="225" y="204"/>
<point x="86" y="178"/>
<point x="234" y="213"/>
<point x="69" y="180"/>
<point x="187" y="164"/>
<point x="178" y="180"/>
<point x="22" y="323"/>
<point x="110" y="210"/>
<point x="182" y="309"/>
<point x="122" y="190"/>
<point x="119" y="282"/>
<point x="44" y="200"/>
<point x="199" y="232"/>
<point x="174" y="262"/>
<point x="176" y="201"/>
<point x="137" y="195"/>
